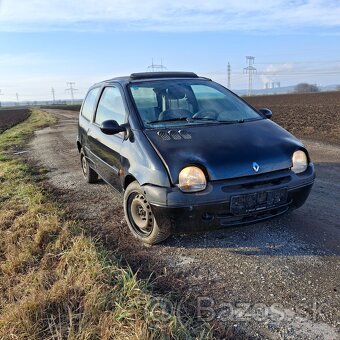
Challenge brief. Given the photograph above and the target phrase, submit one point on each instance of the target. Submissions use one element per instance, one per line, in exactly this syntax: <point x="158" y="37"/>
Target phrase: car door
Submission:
<point x="106" y="148"/>
<point x="85" y="119"/>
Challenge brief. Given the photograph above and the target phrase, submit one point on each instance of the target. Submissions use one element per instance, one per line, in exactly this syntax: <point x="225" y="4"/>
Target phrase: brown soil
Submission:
<point x="10" y="117"/>
<point x="308" y="115"/>
<point x="62" y="107"/>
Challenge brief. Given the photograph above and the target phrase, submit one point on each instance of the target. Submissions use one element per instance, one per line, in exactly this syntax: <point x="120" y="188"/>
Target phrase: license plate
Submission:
<point x="248" y="203"/>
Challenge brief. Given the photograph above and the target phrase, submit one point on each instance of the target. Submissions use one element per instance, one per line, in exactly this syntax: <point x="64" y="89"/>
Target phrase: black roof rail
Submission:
<point x="155" y="75"/>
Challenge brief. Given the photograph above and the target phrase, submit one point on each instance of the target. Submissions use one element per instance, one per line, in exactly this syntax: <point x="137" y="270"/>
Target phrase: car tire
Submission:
<point x="140" y="219"/>
<point x="89" y="174"/>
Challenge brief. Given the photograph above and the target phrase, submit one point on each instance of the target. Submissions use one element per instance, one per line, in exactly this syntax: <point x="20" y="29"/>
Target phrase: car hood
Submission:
<point x="225" y="150"/>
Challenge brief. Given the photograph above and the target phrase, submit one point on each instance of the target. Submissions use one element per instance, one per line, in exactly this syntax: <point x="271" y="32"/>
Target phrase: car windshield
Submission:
<point x="187" y="102"/>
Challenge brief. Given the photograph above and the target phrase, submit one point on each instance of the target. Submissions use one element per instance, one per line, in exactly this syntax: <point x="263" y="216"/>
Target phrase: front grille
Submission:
<point x="255" y="182"/>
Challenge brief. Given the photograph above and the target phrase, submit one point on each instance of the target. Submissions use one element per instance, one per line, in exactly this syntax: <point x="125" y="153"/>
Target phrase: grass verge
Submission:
<point x="56" y="282"/>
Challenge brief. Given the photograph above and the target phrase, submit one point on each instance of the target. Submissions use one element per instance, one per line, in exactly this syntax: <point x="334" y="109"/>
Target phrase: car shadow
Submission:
<point x="274" y="238"/>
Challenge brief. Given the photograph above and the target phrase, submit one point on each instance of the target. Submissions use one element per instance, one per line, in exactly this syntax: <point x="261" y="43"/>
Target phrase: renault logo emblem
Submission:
<point x="256" y="167"/>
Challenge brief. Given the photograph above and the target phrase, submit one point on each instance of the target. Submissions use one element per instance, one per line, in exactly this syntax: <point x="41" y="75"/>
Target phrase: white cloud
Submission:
<point x="14" y="60"/>
<point x="271" y="72"/>
<point x="174" y="15"/>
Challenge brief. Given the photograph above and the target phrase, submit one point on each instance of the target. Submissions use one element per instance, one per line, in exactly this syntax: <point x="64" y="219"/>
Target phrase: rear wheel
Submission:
<point x="89" y="174"/>
<point x="140" y="218"/>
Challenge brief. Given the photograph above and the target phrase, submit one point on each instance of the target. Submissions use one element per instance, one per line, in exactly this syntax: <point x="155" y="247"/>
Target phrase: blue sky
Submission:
<point x="44" y="44"/>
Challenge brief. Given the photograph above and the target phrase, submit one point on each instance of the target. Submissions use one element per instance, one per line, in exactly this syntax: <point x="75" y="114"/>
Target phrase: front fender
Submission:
<point x="140" y="160"/>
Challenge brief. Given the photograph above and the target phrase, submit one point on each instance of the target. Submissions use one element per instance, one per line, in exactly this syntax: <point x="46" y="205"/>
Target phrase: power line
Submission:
<point x="71" y="89"/>
<point x="53" y="95"/>
<point x="299" y="62"/>
<point x="299" y="73"/>
<point x="229" y="70"/>
<point x="1" y="94"/>
<point x="279" y="73"/>
<point x="250" y="70"/>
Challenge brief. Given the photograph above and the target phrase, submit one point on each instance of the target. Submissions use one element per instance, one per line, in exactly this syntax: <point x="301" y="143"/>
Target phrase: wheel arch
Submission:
<point x="128" y="180"/>
<point x="78" y="146"/>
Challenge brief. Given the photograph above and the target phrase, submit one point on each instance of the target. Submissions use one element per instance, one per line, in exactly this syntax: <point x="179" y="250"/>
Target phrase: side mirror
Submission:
<point x="267" y="113"/>
<point x="111" y="127"/>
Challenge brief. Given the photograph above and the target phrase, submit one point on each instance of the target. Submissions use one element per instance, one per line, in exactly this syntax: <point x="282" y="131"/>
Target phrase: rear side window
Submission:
<point x="89" y="103"/>
<point x="111" y="106"/>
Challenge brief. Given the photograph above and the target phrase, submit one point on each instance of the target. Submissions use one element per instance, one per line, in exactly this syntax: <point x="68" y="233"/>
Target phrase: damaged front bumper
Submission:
<point x="231" y="202"/>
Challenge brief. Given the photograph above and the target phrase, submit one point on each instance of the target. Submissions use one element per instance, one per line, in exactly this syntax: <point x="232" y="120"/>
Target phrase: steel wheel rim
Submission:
<point x="140" y="214"/>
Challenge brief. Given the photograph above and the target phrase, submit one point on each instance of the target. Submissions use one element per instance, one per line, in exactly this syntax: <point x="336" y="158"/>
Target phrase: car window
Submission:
<point x="89" y="103"/>
<point x="209" y="98"/>
<point x="146" y="100"/>
<point x="144" y="96"/>
<point x="111" y="106"/>
<point x="188" y="102"/>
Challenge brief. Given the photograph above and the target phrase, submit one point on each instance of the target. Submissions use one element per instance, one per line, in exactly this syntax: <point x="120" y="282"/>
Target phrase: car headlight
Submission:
<point x="192" y="179"/>
<point x="300" y="161"/>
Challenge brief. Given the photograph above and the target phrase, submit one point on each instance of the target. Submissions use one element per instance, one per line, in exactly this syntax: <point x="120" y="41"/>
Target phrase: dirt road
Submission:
<point x="278" y="279"/>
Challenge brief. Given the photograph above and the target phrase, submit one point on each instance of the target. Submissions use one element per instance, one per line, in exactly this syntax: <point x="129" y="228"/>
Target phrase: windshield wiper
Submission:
<point x="193" y="119"/>
<point x="169" y="120"/>
<point x="205" y="118"/>
<point x="232" y="121"/>
<point x="220" y="121"/>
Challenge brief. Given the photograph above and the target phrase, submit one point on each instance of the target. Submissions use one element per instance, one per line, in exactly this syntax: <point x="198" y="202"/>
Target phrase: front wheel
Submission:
<point x="139" y="216"/>
<point x="89" y="174"/>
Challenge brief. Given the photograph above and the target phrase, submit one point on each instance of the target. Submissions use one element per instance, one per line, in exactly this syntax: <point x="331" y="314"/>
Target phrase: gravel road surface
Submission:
<point x="275" y="280"/>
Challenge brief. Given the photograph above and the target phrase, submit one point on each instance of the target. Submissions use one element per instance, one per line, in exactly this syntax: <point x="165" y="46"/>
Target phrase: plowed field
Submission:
<point x="311" y="115"/>
<point x="10" y="117"/>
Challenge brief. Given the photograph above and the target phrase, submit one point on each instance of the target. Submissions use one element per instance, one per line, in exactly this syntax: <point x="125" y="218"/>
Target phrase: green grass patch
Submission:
<point x="58" y="283"/>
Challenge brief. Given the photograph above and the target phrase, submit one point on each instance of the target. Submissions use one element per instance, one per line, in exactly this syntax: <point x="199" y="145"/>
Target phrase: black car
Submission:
<point x="189" y="154"/>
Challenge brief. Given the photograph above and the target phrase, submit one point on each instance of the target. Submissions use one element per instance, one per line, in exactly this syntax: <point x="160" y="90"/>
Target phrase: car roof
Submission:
<point x="151" y="76"/>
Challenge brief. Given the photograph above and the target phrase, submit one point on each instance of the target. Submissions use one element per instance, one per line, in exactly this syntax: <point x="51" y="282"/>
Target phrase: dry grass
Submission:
<point x="57" y="283"/>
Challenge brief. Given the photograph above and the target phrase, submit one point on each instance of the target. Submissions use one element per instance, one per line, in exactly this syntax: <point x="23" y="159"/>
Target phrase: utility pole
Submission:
<point x="70" y="88"/>
<point x="17" y="95"/>
<point x="53" y="95"/>
<point x="156" y="67"/>
<point x="229" y="84"/>
<point x="250" y="70"/>
<point x="1" y="94"/>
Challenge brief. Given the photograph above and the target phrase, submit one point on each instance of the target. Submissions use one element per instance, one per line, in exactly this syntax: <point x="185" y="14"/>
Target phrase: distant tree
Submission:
<point x="305" y="88"/>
